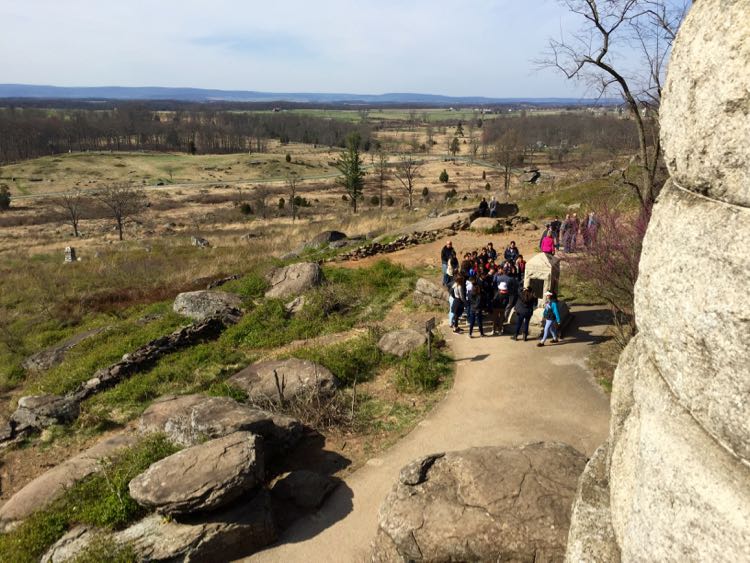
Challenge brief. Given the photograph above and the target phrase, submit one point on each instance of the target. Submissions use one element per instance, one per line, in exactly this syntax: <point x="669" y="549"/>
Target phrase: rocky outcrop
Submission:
<point x="214" y="537"/>
<point x="203" y="477"/>
<point x="678" y="455"/>
<point x="430" y="295"/>
<point x="295" y="377"/>
<point x="201" y="305"/>
<point x="294" y="279"/>
<point x="50" y="485"/>
<point x="36" y="412"/>
<point x="189" y="419"/>
<point x="402" y="342"/>
<point x="481" y="504"/>
<point x="54" y="355"/>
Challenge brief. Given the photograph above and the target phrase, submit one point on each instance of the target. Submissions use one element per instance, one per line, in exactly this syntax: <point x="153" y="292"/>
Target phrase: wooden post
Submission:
<point x="429" y="325"/>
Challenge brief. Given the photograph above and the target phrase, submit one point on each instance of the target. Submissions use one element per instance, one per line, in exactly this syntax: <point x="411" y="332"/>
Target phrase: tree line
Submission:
<point x="31" y="133"/>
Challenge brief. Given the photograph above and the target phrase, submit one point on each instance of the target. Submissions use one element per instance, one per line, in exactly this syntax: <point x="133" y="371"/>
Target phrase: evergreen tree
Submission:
<point x="350" y="165"/>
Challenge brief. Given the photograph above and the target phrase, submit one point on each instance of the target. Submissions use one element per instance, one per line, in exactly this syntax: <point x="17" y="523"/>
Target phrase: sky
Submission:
<point x="457" y="48"/>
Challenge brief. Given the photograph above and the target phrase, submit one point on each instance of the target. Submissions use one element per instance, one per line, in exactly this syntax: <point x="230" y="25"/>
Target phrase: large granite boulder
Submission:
<point x="326" y="237"/>
<point x="214" y="537"/>
<point x="296" y="377"/>
<point x="294" y="279"/>
<point x="189" y="419"/>
<point x="54" y="355"/>
<point x="487" y="225"/>
<point x="50" y="485"/>
<point x="481" y="504"/>
<point x="453" y="222"/>
<point x="591" y="537"/>
<point x="678" y="454"/>
<point x="704" y="109"/>
<point x="402" y="342"/>
<point x="203" y="477"/>
<point x="430" y="295"/>
<point x="200" y="305"/>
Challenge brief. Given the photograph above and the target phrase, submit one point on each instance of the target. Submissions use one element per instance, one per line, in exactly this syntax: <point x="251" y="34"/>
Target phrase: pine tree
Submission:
<point x="350" y="164"/>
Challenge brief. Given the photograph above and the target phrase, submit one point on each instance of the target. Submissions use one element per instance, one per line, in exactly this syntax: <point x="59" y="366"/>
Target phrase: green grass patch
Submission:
<point x="417" y="372"/>
<point x="590" y="195"/>
<point x="101" y="500"/>
<point x="352" y="361"/>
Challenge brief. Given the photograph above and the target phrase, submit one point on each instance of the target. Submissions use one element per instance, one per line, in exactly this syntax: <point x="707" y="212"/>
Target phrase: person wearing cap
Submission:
<point x="507" y="292"/>
<point x="551" y="318"/>
<point x="445" y="257"/>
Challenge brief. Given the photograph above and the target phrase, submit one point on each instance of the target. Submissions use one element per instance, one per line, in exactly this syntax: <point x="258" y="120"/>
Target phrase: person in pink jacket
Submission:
<point x="547" y="244"/>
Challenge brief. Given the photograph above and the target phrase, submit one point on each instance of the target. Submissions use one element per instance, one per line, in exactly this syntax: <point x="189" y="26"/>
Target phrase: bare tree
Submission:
<point x="71" y="205"/>
<point x="589" y="55"/>
<point x="508" y="153"/>
<point x="291" y="185"/>
<point x="260" y="197"/>
<point x="406" y="172"/>
<point x="381" y="173"/>
<point x="122" y="200"/>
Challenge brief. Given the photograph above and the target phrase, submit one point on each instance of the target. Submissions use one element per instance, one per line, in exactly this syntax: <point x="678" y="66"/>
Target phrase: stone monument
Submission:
<point x="672" y="482"/>
<point x="70" y="254"/>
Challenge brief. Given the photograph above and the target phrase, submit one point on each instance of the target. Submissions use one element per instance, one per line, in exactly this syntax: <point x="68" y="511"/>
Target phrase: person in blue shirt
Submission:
<point x="551" y="318"/>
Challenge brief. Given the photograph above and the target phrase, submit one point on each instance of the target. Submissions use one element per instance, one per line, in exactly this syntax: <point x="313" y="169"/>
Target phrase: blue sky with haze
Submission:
<point x="466" y="47"/>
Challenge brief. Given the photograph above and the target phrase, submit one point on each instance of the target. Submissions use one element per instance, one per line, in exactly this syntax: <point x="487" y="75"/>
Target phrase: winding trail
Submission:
<point x="505" y="393"/>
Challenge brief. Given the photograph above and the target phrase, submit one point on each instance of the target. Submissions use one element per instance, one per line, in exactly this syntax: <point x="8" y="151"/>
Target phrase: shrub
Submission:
<point x="300" y="201"/>
<point x="345" y="197"/>
<point x="416" y="372"/>
<point x="484" y="174"/>
<point x="389" y="201"/>
<point x="282" y="202"/>
<point x="4" y="197"/>
<point x="487" y="186"/>
<point x="374" y="200"/>
<point x="288" y="157"/>
<point x="450" y="194"/>
<point x="425" y="192"/>
<point x="443" y="176"/>
<point x="246" y="209"/>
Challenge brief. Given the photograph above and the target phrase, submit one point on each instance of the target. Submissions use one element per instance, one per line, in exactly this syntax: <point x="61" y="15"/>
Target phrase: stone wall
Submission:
<point x="675" y="471"/>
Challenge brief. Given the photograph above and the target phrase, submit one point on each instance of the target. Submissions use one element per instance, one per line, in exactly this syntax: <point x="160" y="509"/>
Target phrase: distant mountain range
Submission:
<point x="207" y="95"/>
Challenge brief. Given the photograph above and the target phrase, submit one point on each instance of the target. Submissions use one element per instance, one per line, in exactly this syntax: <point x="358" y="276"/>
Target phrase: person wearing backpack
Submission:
<point x="524" y="308"/>
<point x="474" y="310"/>
<point x="551" y="318"/>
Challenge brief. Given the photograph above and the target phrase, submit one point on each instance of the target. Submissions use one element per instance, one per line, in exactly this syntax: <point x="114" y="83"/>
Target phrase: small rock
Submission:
<point x="200" y="305"/>
<point x="199" y="242"/>
<point x="295" y="305"/>
<point x="428" y="294"/>
<point x="41" y="411"/>
<point x="402" y="342"/>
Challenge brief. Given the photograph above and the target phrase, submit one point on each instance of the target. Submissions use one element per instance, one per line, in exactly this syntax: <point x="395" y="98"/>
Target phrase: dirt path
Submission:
<point x="542" y="394"/>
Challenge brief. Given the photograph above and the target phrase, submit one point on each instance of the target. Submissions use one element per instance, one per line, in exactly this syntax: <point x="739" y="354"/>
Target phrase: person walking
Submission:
<point x="550" y="318"/>
<point x="568" y="234"/>
<point x="525" y="306"/>
<point x="556" y="225"/>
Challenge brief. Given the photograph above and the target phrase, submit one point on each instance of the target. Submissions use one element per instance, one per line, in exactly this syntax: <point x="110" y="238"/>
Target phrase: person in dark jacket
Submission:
<point x="525" y="306"/>
<point x="474" y="310"/>
<point x="507" y="289"/>
<point x="445" y="258"/>
<point x="458" y="292"/>
<point x="511" y="253"/>
<point x="484" y="208"/>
